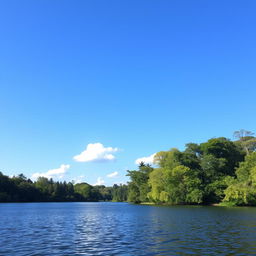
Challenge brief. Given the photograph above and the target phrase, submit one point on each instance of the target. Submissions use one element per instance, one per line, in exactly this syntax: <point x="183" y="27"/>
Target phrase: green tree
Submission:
<point x="84" y="191"/>
<point x="179" y="185"/>
<point x="225" y="150"/>
<point x="158" y="184"/>
<point x="119" y="193"/>
<point x="183" y="186"/>
<point x="138" y="187"/>
<point x="242" y="191"/>
<point x="246" y="140"/>
<point x="168" y="159"/>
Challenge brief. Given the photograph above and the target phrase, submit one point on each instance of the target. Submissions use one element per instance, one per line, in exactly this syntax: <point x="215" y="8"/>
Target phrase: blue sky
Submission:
<point x="136" y="76"/>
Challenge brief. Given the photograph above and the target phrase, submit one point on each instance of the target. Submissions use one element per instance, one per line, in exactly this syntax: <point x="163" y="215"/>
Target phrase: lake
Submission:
<point x="125" y="229"/>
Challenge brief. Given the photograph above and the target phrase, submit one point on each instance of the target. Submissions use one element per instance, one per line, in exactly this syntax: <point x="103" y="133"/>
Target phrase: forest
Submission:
<point x="21" y="189"/>
<point x="218" y="171"/>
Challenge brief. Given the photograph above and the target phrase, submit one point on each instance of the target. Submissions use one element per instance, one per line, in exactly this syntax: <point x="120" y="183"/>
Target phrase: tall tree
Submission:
<point x="138" y="186"/>
<point x="246" y="140"/>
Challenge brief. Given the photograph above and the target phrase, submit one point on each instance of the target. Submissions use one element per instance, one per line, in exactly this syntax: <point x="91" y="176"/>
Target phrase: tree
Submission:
<point x="193" y="148"/>
<point x="246" y="140"/>
<point x="244" y="171"/>
<point x="242" y="191"/>
<point x="21" y="189"/>
<point x="84" y="190"/>
<point x="240" y="134"/>
<point x="168" y="159"/>
<point x="179" y="185"/>
<point x="119" y="193"/>
<point x="225" y="150"/>
<point x="7" y="188"/>
<point x="138" y="187"/>
<point x="183" y="186"/>
<point x="157" y="183"/>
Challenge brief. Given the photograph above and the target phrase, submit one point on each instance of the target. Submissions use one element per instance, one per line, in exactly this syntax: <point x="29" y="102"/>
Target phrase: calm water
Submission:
<point x="124" y="229"/>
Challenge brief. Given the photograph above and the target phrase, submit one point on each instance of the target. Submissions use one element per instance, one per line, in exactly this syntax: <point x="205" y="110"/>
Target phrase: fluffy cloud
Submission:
<point x="96" y="152"/>
<point x="53" y="173"/>
<point x="99" y="182"/>
<point x="146" y="159"/>
<point x="112" y="175"/>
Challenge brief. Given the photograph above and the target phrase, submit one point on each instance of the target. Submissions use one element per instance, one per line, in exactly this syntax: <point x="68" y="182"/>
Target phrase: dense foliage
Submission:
<point x="219" y="170"/>
<point x="21" y="189"/>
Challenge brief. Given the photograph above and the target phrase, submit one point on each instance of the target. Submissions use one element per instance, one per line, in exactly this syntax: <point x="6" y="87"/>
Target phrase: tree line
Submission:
<point x="216" y="171"/>
<point x="21" y="189"/>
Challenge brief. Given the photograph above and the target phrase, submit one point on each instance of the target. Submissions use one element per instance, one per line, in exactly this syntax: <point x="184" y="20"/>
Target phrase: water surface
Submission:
<point x="125" y="229"/>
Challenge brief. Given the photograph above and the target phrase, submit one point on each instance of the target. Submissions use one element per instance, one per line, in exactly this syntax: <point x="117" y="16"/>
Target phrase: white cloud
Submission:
<point x="96" y="152"/>
<point x="99" y="182"/>
<point x="53" y="173"/>
<point x="112" y="175"/>
<point x="146" y="159"/>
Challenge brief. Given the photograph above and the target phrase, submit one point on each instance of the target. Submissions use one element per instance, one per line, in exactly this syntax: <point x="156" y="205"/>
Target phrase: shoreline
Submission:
<point x="215" y="205"/>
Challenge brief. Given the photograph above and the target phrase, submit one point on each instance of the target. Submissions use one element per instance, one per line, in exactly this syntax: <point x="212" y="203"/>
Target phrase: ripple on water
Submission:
<point x="124" y="229"/>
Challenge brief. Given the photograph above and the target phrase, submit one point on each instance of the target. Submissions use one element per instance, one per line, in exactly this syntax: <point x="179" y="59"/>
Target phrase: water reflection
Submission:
<point x="124" y="229"/>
